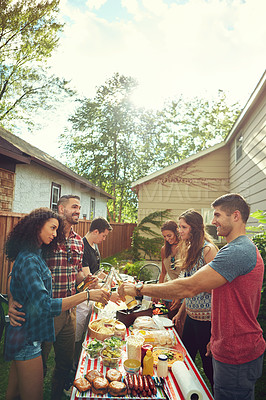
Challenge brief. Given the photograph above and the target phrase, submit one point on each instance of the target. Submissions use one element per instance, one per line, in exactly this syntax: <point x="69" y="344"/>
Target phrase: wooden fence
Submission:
<point x="117" y="240"/>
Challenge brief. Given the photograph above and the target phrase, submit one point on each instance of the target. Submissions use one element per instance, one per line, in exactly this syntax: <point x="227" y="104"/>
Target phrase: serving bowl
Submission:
<point x="110" y="356"/>
<point x="132" y="366"/>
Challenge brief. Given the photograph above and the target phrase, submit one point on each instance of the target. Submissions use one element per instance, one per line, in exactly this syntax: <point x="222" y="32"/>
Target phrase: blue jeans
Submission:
<point x="236" y="382"/>
<point x="29" y="351"/>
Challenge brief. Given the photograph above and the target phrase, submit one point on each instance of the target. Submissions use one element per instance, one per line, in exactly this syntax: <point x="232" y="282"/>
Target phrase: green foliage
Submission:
<point x="29" y="34"/>
<point x="260" y="241"/>
<point x="152" y="242"/>
<point x="112" y="143"/>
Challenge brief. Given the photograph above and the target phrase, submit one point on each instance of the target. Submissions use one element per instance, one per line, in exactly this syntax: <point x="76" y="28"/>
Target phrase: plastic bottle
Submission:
<point x="162" y="366"/>
<point x="148" y="364"/>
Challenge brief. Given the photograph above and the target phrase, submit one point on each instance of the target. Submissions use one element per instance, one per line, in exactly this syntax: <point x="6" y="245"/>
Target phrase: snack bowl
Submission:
<point x="132" y="366"/>
<point x="110" y="356"/>
<point x="93" y="348"/>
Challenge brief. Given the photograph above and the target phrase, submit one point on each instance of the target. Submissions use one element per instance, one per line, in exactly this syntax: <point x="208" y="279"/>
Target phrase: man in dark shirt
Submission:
<point x="99" y="229"/>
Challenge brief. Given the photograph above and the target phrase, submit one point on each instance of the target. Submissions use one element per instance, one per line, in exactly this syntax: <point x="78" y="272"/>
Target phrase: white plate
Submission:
<point x="167" y="322"/>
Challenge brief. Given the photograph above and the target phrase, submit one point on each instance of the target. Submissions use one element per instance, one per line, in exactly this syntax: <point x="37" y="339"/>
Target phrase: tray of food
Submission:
<point x="173" y="354"/>
<point x="114" y="384"/>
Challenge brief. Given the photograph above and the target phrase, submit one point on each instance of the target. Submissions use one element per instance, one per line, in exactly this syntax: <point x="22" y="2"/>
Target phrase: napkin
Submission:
<point x="190" y="388"/>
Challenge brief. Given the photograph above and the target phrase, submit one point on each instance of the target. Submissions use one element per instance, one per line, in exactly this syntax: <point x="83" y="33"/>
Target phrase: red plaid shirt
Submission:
<point x="65" y="264"/>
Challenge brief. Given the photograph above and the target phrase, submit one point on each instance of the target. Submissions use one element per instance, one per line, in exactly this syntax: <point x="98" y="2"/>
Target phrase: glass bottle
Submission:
<point x="130" y="301"/>
<point x="106" y="286"/>
<point x="85" y="283"/>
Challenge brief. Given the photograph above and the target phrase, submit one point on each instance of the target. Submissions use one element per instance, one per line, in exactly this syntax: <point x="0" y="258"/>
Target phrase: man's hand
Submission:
<point x="208" y="352"/>
<point x="15" y="316"/>
<point x="100" y="295"/>
<point x="127" y="289"/>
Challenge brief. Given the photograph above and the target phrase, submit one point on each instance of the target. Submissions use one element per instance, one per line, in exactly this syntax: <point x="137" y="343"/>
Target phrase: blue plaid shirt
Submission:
<point x="31" y="286"/>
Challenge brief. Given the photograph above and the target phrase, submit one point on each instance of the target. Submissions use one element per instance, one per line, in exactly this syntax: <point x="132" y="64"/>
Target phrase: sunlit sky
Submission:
<point x="171" y="47"/>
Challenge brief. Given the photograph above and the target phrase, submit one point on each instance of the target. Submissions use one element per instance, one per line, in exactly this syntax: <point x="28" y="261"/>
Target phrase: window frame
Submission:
<point x="92" y="208"/>
<point x="239" y="147"/>
<point x="57" y="187"/>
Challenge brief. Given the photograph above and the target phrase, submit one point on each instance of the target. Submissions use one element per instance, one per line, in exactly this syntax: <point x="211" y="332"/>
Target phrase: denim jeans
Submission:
<point x="236" y="382"/>
<point x="29" y="351"/>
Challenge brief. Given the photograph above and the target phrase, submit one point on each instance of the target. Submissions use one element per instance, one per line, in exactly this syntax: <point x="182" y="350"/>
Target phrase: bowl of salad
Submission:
<point x="93" y="348"/>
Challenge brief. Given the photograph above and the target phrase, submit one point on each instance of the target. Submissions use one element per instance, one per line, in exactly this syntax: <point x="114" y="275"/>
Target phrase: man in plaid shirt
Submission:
<point x="66" y="268"/>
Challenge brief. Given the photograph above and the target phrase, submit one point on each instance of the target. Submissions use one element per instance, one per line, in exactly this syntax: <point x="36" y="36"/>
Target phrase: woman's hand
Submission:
<point x="180" y="317"/>
<point x="100" y="295"/>
<point x="175" y="304"/>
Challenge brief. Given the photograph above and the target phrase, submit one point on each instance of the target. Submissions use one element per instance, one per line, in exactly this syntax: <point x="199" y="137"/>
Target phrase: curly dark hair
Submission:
<point x="25" y="235"/>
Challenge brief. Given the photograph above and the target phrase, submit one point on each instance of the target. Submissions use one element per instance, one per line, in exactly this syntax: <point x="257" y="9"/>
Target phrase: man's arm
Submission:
<point x="203" y="280"/>
<point x="15" y="316"/>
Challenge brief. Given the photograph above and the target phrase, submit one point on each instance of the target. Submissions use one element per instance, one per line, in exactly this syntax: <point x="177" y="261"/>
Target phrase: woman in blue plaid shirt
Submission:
<point x="31" y="286"/>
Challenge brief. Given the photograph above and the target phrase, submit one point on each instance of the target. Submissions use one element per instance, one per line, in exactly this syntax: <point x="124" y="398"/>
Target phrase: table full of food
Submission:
<point x="146" y="360"/>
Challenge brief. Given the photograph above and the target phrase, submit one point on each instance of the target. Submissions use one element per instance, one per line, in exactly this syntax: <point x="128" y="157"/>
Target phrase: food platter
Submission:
<point x="174" y="354"/>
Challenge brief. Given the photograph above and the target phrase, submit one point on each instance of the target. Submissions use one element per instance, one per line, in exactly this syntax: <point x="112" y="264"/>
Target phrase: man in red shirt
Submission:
<point x="235" y="277"/>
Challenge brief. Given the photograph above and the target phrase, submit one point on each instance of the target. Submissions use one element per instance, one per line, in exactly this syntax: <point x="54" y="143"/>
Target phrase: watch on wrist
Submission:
<point x="88" y="295"/>
<point x="138" y="287"/>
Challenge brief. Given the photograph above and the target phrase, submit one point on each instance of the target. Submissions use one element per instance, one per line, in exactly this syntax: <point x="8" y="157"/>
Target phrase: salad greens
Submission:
<point x="94" y="347"/>
<point x="114" y="342"/>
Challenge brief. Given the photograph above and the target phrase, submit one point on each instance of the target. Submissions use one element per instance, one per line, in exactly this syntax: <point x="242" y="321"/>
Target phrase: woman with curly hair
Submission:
<point x="36" y="234"/>
<point x="195" y="250"/>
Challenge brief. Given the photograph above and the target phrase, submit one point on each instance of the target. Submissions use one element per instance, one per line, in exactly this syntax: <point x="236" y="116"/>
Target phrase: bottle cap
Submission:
<point x="148" y="353"/>
<point x="162" y="357"/>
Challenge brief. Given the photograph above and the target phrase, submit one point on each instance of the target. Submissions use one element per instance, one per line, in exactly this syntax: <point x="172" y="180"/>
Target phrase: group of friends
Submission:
<point x="215" y="295"/>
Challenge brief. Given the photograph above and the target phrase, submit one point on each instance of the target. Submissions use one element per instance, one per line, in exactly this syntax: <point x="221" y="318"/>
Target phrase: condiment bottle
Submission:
<point x="148" y="364"/>
<point x="106" y="286"/>
<point x="130" y="301"/>
<point x="144" y="348"/>
<point x="162" y="366"/>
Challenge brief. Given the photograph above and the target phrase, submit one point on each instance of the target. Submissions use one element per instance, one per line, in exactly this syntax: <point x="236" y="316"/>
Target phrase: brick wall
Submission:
<point x="7" y="179"/>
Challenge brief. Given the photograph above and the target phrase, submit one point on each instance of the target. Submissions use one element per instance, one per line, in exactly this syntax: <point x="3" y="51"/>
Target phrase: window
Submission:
<point x="239" y="147"/>
<point x="92" y="208"/>
<point x="207" y="215"/>
<point x="55" y="195"/>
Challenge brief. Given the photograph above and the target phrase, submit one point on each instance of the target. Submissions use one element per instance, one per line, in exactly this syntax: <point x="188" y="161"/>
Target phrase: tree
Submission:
<point x="29" y="34"/>
<point x="112" y="143"/>
<point x="189" y="126"/>
<point x="102" y="143"/>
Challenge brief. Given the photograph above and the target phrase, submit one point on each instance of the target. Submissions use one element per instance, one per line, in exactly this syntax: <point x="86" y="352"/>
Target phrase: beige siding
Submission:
<point x="193" y="185"/>
<point x="248" y="176"/>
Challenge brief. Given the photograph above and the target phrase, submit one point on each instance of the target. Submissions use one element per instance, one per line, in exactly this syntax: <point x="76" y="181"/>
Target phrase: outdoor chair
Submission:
<point x="149" y="273"/>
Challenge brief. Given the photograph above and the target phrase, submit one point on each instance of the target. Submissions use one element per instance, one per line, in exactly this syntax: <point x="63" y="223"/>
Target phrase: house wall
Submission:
<point x="33" y="189"/>
<point x="248" y="175"/>
<point x="193" y="185"/>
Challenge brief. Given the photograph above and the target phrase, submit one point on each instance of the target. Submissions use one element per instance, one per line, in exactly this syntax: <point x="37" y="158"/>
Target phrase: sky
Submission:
<point x="171" y="47"/>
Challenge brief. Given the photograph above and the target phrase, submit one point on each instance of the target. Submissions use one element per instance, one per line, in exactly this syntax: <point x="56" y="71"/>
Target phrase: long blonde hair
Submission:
<point x="190" y="249"/>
